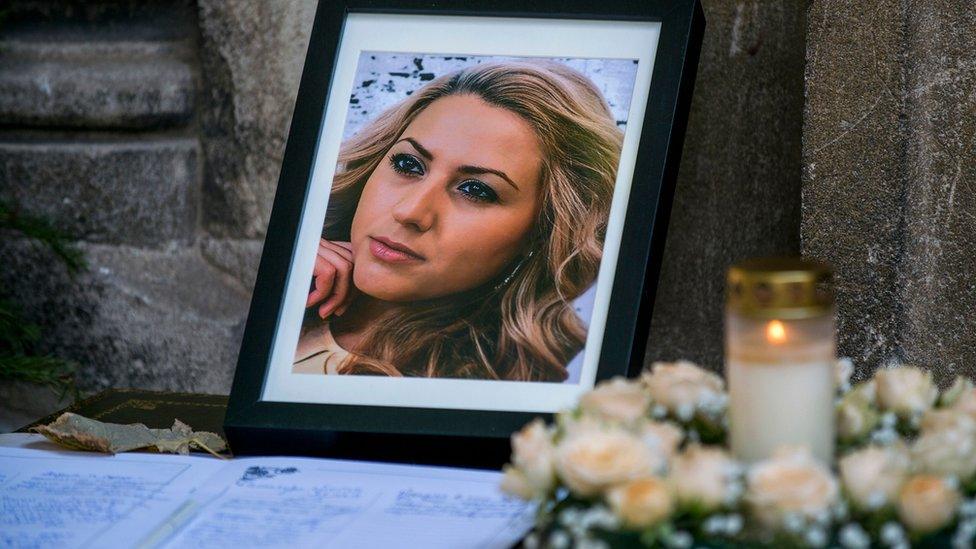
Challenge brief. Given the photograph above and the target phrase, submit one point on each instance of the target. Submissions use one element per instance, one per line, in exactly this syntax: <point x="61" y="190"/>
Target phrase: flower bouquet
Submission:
<point x="643" y="463"/>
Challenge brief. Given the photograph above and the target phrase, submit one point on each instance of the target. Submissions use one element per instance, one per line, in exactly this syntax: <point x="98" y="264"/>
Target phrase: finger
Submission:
<point x="338" y="305"/>
<point x="344" y="305"/>
<point x="345" y="252"/>
<point x="345" y="249"/>
<point x="321" y="291"/>
<point x="337" y="256"/>
<point x="342" y="310"/>
<point x="345" y="245"/>
<point x="315" y="296"/>
<point x="341" y="283"/>
<point x="324" y="277"/>
<point x="330" y="307"/>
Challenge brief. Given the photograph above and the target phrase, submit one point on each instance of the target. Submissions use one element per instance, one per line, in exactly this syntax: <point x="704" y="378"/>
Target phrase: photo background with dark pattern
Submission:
<point x="384" y="78"/>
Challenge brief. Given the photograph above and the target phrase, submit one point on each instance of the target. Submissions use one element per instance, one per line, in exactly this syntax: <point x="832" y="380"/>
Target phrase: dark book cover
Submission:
<point x="155" y="409"/>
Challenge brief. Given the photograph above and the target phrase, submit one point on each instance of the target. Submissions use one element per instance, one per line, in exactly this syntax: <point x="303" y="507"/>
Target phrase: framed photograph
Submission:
<point x="468" y="226"/>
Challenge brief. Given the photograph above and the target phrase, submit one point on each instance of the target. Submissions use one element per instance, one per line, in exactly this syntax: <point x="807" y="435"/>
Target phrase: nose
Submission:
<point x="417" y="207"/>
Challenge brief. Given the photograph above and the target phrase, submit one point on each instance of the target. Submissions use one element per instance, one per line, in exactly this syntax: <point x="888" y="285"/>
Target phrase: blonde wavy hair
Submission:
<point x="519" y="326"/>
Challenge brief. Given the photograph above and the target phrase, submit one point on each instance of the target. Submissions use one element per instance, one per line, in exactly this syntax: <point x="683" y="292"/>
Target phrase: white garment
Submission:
<point x="318" y="352"/>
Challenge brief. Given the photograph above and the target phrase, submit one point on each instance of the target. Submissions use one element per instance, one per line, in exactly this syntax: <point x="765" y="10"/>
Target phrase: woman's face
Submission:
<point x="451" y="204"/>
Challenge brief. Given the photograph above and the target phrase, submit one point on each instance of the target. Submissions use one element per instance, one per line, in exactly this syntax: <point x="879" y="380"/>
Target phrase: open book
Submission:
<point x="71" y="499"/>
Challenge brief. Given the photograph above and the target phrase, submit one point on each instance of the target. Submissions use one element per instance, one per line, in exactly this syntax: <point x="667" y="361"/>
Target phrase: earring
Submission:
<point x="515" y="270"/>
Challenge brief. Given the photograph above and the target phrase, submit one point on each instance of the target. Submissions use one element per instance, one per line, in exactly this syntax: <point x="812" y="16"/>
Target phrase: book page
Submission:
<point x="71" y="499"/>
<point x="56" y="498"/>
<point x="297" y="502"/>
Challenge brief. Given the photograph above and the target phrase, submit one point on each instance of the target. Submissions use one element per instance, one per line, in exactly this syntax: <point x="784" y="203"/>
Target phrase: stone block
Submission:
<point x="888" y="142"/>
<point x="238" y="258"/>
<point x="251" y="55"/>
<point x="163" y="320"/>
<point x="131" y="85"/>
<point x="142" y="192"/>
<point x="852" y="195"/>
<point x="939" y="330"/>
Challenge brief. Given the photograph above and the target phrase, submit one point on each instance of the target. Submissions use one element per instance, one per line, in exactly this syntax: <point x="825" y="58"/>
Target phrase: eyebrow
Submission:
<point x="467" y="170"/>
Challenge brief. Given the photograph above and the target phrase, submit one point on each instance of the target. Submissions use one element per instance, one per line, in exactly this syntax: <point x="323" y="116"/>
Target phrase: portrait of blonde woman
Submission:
<point x="462" y="223"/>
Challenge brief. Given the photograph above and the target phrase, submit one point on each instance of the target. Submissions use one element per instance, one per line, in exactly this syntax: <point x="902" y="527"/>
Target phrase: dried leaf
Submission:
<point x="81" y="433"/>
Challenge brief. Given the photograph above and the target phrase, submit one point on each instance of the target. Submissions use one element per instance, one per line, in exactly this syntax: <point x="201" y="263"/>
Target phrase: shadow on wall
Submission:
<point x="738" y="192"/>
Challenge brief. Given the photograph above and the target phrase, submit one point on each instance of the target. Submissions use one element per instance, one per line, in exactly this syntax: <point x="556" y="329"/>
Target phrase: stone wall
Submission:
<point x="889" y="170"/>
<point x="153" y="131"/>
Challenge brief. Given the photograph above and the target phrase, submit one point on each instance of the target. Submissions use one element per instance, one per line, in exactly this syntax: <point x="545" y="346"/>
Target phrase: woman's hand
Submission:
<point x="333" y="289"/>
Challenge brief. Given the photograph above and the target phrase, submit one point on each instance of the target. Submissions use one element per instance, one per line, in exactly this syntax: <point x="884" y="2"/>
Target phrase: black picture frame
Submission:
<point x="461" y="437"/>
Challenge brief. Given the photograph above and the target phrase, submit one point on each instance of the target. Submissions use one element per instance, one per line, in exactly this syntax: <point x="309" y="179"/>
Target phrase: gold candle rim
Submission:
<point x="787" y="288"/>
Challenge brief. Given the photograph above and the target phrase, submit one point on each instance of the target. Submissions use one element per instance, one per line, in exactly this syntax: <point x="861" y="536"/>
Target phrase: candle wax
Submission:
<point x="775" y="404"/>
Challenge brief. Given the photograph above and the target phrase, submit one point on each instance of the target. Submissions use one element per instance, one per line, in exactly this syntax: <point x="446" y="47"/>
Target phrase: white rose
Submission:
<point x="533" y="454"/>
<point x="966" y="403"/>
<point x="927" y="503"/>
<point x="571" y="423"/>
<point x="947" y="444"/>
<point x="661" y="437"/>
<point x="792" y="482"/>
<point x="617" y="399"/>
<point x="945" y="419"/>
<point x="874" y="475"/>
<point x="701" y="476"/>
<point x="515" y="483"/>
<point x="856" y="416"/>
<point x="590" y="461"/>
<point x="843" y="370"/>
<point x="960" y="387"/>
<point x="641" y="503"/>
<point x="905" y="390"/>
<point x="866" y="392"/>
<point x="682" y="387"/>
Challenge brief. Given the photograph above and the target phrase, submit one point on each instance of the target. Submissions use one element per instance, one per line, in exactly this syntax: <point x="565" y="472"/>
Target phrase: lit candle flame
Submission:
<point x="775" y="332"/>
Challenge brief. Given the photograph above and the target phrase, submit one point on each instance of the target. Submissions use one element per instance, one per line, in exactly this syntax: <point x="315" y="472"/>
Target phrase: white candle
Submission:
<point x="780" y="355"/>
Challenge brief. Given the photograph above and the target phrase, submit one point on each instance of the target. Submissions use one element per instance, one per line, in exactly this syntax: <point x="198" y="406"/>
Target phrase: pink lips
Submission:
<point x="391" y="251"/>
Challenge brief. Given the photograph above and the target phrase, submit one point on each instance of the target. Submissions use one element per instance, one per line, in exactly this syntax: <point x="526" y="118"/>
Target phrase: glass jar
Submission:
<point x="780" y="353"/>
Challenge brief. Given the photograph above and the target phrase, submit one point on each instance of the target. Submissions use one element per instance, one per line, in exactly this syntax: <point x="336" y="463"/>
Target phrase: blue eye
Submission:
<point x="476" y="190"/>
<point x="406" y="164"/>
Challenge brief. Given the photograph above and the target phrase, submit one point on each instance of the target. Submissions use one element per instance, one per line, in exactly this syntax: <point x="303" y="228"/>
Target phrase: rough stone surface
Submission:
<point x="24" y="403"/>
<point x="163" y="320"/>
<point x="157" y="20"/>
<point x="251" y="55"/>
<point x="100" y="85"/>
<point x="888" y="170"/>
<point x="852" y="191"/>
<point x="940" y="258"/>
<point x="238" y="258"/>
<point x="739" y="180"/>
<point x="98" y="133"/>
<point x="138" y="192"/>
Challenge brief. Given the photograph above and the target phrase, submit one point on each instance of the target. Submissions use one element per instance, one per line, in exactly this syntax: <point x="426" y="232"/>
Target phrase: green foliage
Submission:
<point x="19" y="339"/>
<point x="56" y="373"/>
<point x="42" y="232"/>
